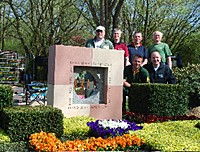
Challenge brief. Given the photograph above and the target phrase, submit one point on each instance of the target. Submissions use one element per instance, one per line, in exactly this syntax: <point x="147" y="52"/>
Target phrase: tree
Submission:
<point x="4" y="23"/>
<point x="40" y="24"/>
<point x="176" y="19"/>
<point x="189" y="50"/>
<point x="103" y="12"/>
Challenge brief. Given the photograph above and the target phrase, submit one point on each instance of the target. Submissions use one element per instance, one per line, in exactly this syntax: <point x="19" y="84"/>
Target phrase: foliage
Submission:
<point x="76" y="127"/>
<point x="158" y="99"/>
<point x="38" y="25"/>
<point x="6" y="96"/>
<point x="189" y="50"/>
<point x="189" y="77"/>
<point x="176" y="19"/>
<point x="111" y="128"/>
<point x="48" y="142"/>
<point x="32" y="26"/>
<point x="171" y="136"/>
<point x="21" y="121"/>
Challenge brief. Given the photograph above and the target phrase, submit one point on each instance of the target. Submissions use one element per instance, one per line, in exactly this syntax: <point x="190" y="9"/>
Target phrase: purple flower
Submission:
<point x="106" y="128"/>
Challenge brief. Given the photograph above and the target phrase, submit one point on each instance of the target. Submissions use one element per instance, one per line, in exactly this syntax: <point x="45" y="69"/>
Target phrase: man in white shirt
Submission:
<point x="99" y="40"/>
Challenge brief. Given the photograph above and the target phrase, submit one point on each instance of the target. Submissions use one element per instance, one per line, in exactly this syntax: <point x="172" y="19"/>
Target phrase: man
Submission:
<point x="134" y="74"/>
<point x="118" y="45"/>
<point x="162" y="48"/>
<point x="136" y="48"/>
<point x="158" y="71"/>
<point x="99" y="41"/>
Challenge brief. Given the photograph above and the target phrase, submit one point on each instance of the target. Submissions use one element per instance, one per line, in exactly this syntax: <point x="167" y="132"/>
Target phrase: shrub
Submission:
<point x="6" y="96"/>
<point x="158" y="99"/>
<point x="21" y="121"/>
<point x="190" y="77"/>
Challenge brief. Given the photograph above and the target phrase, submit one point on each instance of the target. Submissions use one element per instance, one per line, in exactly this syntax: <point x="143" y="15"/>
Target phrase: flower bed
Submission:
<point x="48" y="142"/>
<point x="166" y="136"/>
<point x="107" y="128"/>
<point x="142" y="118"/>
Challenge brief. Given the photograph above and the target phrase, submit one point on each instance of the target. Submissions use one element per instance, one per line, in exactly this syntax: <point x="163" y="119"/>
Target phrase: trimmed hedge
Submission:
<point x="6" y="96"/>
<point x="158" y="99"/>
<point x="20" y="122"/>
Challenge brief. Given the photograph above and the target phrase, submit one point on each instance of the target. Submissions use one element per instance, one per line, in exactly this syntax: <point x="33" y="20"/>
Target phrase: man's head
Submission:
<point x="157" y="37"/>
<point x="137" y="61"/>
<point x="100" y="32"/>
<point x="155" y="58"/>
<point x="117" y="35"/>
<point x="137" y="38"/>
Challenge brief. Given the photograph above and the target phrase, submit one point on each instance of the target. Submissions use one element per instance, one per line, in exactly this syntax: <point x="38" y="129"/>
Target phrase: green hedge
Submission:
<point x="158" y="99"/>
<point x="190" y="77"/>
<point x="6" y="96"/>
<point x="20" y="122"/>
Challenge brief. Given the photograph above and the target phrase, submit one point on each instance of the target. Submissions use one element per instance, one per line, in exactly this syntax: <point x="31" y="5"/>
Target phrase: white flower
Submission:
<point x="113" y="124"/>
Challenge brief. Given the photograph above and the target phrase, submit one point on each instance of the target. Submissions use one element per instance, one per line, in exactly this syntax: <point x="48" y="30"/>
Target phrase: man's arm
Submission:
<point x="127" y="61"/>
<point x="169" y="61"/>
<point x="111" y="46"/>
<point x="126" y="55"/>
<point x="126" y="84"/>
<point x="144" y="62"/>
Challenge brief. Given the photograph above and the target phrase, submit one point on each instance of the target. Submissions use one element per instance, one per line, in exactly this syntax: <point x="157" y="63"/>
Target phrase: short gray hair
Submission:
<point x="160" y="33"/>
<point x="117" y="30"/>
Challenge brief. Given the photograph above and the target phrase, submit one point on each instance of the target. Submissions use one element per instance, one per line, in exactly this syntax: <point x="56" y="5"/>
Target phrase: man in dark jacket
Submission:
<point x="159" y="72"/>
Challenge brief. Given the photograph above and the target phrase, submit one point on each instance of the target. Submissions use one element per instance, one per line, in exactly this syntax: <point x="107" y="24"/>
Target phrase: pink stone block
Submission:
<point x="113" y="108"/>
<point x="62" y="59"/>
<point x="61" y="63"/>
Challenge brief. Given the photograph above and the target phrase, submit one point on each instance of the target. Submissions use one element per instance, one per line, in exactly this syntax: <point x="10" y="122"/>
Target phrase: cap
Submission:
<point x="100" y="28"/>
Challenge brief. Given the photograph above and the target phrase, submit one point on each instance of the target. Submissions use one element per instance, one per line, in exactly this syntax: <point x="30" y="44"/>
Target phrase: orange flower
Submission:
<point x="48" y="142"/>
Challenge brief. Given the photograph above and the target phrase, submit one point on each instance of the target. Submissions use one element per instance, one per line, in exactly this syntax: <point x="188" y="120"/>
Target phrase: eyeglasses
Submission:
<point x="99" y="31"/>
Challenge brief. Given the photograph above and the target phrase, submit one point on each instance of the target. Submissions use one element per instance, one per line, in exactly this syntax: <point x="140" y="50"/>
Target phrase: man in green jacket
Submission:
<point x="99" y="40"/>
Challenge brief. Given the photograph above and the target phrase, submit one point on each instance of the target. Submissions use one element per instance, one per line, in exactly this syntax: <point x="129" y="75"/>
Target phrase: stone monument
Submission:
<point x="86" y="81"/>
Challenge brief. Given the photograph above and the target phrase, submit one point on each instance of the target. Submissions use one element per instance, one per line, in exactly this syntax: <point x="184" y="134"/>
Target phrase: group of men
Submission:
<point x="152" y="65"/>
